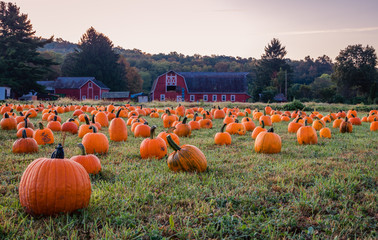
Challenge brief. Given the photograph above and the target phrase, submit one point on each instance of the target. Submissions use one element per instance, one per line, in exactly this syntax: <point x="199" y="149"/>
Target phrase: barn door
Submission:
<point x="179" y="99"/>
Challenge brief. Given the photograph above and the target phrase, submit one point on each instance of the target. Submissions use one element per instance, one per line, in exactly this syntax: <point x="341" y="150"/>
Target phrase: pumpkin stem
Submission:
<point x="184" y="120"/>
<point x="55" y="118"/>
<point x="21" y="114"/>
<point x="306" y="122"/>
<point x="86" y="119"/>
<point x="346" y="119"/>
<point x="246" y="114"/>
<point x="40" y="124"/>
<point x="26" y="123"/>
<point x="247" y="119"/>
<point x="6" y="115"/>
<point x="353" y="115"/>
<point x="236" y="120"/>
<point x="298" y="119"/>
<point x="271" y="130"/>
<point x="145" y="123"/>
<point x="24" y="134"/>
<point x="195" y="117"/>
<point x="56" y="112"/>
<point x="222" y="128"/>
<point x="93" y="119"/>
<point x="118" y="112"/>
<point x="152" y="131"/>
<point x="172" y="143"/>
<point x="59" y="152"/>
<point x="71" y="120"/>
<point x="93" y="128"/>
<point x="81" y="146"/>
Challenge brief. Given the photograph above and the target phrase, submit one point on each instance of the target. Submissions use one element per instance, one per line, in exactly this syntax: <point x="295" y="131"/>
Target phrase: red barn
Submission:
<point x="196" y="86"/>
<point x="79" y="88"/>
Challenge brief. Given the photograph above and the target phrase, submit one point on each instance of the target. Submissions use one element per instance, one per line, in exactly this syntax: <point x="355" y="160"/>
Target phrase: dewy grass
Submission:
<point x="327" y="190"/>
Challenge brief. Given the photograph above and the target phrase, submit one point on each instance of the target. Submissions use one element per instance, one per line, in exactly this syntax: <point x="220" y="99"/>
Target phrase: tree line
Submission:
<point x="25" y="59"/>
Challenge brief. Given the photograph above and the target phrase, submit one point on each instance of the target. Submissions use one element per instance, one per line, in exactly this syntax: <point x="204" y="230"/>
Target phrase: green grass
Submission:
<point x="328" y="190"/>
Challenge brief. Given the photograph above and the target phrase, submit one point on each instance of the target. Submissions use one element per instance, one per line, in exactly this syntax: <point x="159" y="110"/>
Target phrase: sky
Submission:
<point x="221" y="27"/>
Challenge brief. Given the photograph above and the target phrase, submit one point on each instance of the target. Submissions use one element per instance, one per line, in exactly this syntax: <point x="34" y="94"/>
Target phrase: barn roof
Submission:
<point x="215" y="82"/>
<point x="71" y="82"/>
<point x="106" y="95"/>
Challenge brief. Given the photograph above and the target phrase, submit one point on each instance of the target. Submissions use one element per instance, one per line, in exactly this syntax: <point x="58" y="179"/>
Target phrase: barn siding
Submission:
<point x="69" y="92"/>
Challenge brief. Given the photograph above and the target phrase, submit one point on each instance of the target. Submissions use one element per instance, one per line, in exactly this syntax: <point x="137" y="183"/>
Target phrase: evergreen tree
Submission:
<point x="96" y="58"/>
<point x="20" y="63"/>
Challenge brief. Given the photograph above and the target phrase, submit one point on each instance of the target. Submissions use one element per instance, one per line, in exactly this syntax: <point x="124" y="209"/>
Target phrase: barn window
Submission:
<point x="90" y="85"/>
<point x="192" y="98"/>
<point x="205" y="98"/>
<point x="214" y="98"/>
<point x="96" y="97"/>
<point x="171" y="88"/>
<point x="84" y="97"/>
<point x="162" y="97"/>
<point x="223" y="98"/>
<point x="232" y="98"/>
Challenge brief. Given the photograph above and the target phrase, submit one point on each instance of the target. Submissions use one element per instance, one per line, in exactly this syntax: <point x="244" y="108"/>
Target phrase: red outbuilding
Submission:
<point x="79" y="88"/>
<point x="196" y="86"/>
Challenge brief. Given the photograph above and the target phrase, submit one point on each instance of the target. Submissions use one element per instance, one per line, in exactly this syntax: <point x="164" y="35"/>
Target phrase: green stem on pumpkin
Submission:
<point x="172" y="143"/>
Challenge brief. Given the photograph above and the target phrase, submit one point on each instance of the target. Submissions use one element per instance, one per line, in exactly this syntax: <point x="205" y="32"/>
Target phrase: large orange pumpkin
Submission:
<point x="54" y="185"/>
<point x="95" y="142"/>
<point x="117" y="128"/>
<point x="25" y="144"/>
<point x="307" y="135"/>
<point x="186" y="158"/>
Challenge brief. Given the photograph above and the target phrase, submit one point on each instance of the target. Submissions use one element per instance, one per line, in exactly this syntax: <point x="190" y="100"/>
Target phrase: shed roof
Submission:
<point x="215" y="82"/>
<point x="71" y="82"/>
<point x="106" y="95"/>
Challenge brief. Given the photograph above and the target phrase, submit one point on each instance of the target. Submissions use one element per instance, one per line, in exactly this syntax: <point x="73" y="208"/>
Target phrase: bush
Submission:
<point x="294" y="105"/>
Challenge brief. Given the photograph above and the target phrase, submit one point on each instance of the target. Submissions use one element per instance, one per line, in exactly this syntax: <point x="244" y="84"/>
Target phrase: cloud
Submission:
<point x="341" y="30"/>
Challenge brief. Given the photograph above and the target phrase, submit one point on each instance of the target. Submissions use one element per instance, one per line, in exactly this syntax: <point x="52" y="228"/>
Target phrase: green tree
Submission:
<point x="133" y="80"/>
<point x="21" y="66"/>
<point x="95" y="57"/>
<point x="355" y="71"/>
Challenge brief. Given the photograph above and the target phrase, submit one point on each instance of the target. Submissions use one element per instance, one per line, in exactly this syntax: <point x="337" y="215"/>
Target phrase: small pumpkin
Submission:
<point x="235" y="128"/>
<point x="337" y="122"/>
<point x="222" y="137"/>
<point x="117" y="128"/>
<point x="102" y="119"/>
<point x="54" y="125"/>
<point x="346" y="126"/>
<point x="29" y="131"/>
<point x="90" y="162"/>
<point x="54" y="185"/>
<point x="70" y="126"/>
<point x="325" y="133"/>
<point x="186" y="158"/>
<point x="268" y="142"/>
<point x="248" y="124"/>
<point x="142" y="130"/>
<point x="374" y="125"/>
<point x="43" y="135"/>
<point x="84" y="129"/>
<point x="153" y="147"/>
<point x="258" y="130"/>
<point x="8" y="123"/>
<point x="183" y="129"/>
<point x="95" y="142"/>
<point x="25" y="144"/>
<point x="294" y="125"/>
<point x="170" y="132"/>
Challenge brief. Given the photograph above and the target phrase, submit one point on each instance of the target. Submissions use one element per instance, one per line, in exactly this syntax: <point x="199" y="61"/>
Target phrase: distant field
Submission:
<point x="322" y="191"/>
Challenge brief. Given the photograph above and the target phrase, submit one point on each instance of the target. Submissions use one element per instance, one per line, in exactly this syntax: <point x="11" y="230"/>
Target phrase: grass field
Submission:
<point x="323" y="191"/>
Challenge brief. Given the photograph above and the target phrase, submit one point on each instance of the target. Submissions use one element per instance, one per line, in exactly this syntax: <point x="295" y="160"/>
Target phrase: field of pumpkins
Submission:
<point x="122" y="171"/>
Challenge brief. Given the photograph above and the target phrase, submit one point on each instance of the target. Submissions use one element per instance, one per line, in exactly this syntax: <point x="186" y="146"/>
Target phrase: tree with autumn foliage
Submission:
<point x="134" y="82"/>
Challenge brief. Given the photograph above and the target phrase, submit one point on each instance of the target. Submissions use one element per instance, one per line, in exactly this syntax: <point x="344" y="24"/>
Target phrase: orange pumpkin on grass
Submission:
<point x="268" y="142"/>
<point x="153" y="147"/>
<point x="222" y="137"/>
<point x="90" y="162"/>
<point x="95" y="142"/>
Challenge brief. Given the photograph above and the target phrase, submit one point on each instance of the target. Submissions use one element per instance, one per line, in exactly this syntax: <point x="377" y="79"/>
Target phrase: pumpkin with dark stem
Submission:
<point x="95" y="142"/>
<point x="25" y="144"/>
<point x="228" y="119"/>
<point x="248" y="124"/>
<point x="194" y="124"/>
<point x="186" y="158"/>
<point x="173" y="135"/>
<point x="374" y="125"/>
<point x="43" y="135"/>
<point x="29" y="131"/>
<point x="258" y="130"/>
<point x="307" y="135"/>
<point x="219" y="113"/>
<point x="235" y="128"/>
<point x="294" y="125"/>
<point x="54" y="185"/>
<point x="168" y="119"/>
<point x="102" y="119"/>
<point x="222" y="137"/>
<point x="337" y="122"/>
<point x="26" y="121"/>
<point x="8" y="123"/>
<point x="268" y="142"/>
<point x="94" y="123"/>
<point x="153" y="147"/>
<point x="54" y="125"/>
<point x="346" y="126"/>
<point x="142" y="130"/>
<point x="325" y="133"/>
<point x="355" y="120"/>
<point x="117" y="128"/>
<point x="206" y="122"/>
<point x="267" y="120"/>
<point x="90" y="162"/>
<point x="70" y="126"/>
<point x="183" y="129"/>
<point x="84" y="129"/>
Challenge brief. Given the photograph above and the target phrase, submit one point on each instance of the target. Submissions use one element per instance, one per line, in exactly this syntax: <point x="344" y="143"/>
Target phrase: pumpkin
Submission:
<point x="154" y="114"/>
<point x="276" y="118"/>
<point x="219" y="113"/>
<point x="25" y="121"/>
<point x="95" y="142"/>
<point x="206" y="122"/>
<point x="142" y="130"/>
<point x="153" y="147"/>
<point x="186" y="158"/>
<point x="180" y="110"/>
<point x="235" y="128"/>
<point x="170" y="132"/>
<point x="307" y="135"/>
<point x="337" y="122"/>
<point x="102" y="119"/>
<point x="70" y="126"/>
<point x="351" y="113"/>
<point x="248" y="124"/>
<point x="90" y="162"/>
<point x="29" y="131"/>
<point x="194" y="124"/>
<point x="183" y="129"/>
<point x="268" y="142"/>
<point x="168" y="119"/>
<point x="346" y="126"/>
<point x="325" y="133"/>
<point x="374" y="125"/>
<point x="294" y="125"/>
<point x="84" y="129"/>
<point x="222" y="138"/>
<point x="43" y="135"/>
<point x="53" y="185"/>
<point x="94" y="123"/>
<point x="355" y="120"/>
<point x="25" y="144"/>
<point x="8" y="123"/>
<point x="54" y="125"/>
<point x="258" y="130"/>
<point x="52" y="117"/>
<point x="117" y="128"/>
<point x="267" y="120"/>
<point x="318" y="124"/>
<point x="228" y="119"/>
<point x="267" y="109"/>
